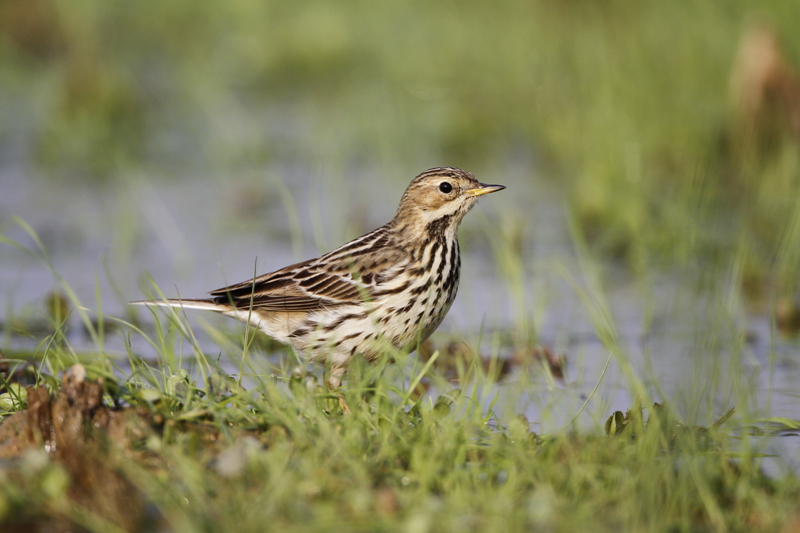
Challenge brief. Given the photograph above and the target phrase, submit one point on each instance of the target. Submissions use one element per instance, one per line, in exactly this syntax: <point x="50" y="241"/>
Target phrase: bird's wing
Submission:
<point x="342" y="277"/>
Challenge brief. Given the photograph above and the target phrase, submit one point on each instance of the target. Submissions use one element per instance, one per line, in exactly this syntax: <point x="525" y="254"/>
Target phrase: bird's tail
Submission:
<point x="209" y="305"/>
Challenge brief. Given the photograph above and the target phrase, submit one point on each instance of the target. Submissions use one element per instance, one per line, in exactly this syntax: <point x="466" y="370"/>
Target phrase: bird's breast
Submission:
<point x="404" y="309"/>
<point x="411" y="316"/>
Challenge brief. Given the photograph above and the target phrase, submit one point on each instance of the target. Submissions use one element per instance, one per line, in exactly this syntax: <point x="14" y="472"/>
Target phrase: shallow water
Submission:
<point x="699" y="352"/>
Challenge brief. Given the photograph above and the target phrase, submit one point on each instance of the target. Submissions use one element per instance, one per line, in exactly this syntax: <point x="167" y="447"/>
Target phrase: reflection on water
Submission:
<point x="195" y="234"/>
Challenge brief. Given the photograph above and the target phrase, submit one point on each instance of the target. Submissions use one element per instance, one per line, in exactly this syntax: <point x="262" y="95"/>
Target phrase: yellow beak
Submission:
<point x="484" y="189"/>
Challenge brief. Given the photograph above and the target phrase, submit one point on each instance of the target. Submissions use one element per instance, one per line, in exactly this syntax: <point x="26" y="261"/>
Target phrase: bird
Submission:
<point x="390" y="288"/>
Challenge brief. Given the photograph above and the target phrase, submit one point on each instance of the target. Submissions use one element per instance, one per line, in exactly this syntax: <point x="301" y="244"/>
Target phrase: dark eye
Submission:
<point x="446" y="187"/>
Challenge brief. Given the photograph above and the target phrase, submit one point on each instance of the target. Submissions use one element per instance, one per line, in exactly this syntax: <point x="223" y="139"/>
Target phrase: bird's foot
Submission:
<point x="343" y="404"/>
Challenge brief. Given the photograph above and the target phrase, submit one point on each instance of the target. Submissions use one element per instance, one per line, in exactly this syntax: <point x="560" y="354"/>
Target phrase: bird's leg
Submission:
<point x="334" y="382"/>
<point x="335" y="379"/>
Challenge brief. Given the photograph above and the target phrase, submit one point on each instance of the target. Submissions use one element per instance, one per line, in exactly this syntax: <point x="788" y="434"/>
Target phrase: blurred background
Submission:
<point x="184" y="139"/>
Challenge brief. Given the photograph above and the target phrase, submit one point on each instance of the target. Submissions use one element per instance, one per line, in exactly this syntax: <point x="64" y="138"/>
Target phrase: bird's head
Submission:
<point x="442" y="194"/>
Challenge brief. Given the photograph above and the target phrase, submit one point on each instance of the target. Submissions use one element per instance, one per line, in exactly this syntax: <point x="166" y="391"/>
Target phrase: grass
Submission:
<point x="182" y="444"/>
<point x="209" y="459"/>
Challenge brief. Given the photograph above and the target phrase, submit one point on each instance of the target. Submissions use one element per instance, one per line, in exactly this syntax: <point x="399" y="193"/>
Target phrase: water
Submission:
<point x="192" y="234"/>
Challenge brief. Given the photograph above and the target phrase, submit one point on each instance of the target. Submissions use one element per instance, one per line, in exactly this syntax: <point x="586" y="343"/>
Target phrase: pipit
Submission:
<point x="389" y="288"/>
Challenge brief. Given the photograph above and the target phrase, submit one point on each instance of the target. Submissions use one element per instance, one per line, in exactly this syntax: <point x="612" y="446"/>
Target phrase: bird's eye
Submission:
<point x="446" y="187"/>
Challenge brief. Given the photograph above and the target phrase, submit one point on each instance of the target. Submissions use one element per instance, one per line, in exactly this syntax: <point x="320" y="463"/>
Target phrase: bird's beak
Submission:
<point x="484" y="189"/>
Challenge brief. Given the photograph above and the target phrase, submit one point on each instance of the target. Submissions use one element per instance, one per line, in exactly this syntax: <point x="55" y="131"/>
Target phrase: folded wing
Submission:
<point x="322" y="283"/>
